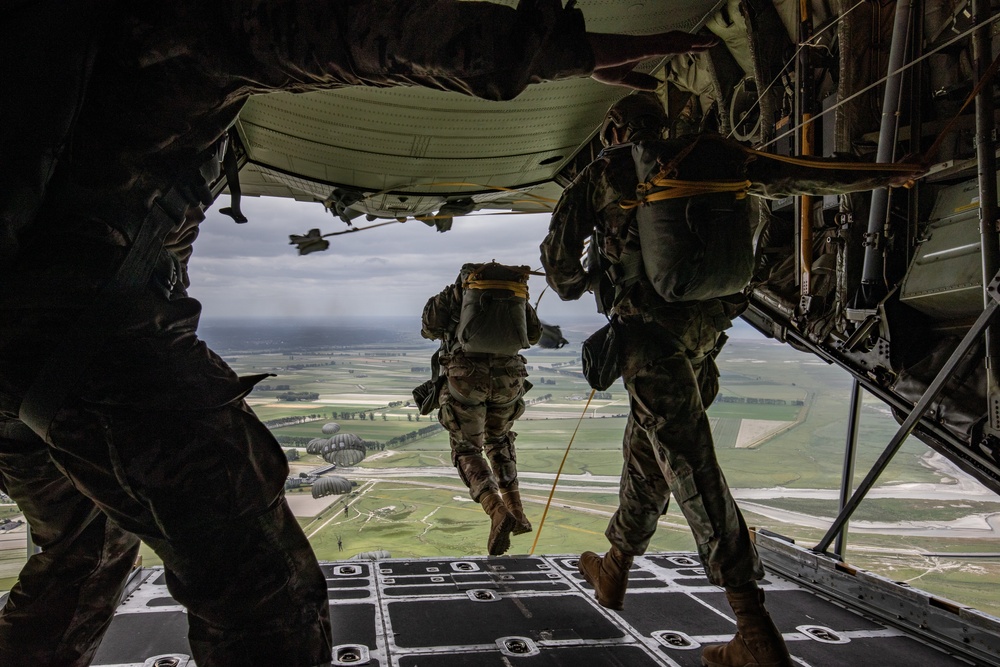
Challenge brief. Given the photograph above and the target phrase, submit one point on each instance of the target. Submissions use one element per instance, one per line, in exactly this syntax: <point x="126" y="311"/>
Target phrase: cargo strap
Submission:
<point x="674" y="188"/>
<point x="677" y="189"/>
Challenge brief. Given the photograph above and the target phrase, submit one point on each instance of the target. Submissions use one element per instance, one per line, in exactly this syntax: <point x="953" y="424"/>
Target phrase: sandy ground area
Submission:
<point x="753" y="431"/>
<point x="304" y="505"/>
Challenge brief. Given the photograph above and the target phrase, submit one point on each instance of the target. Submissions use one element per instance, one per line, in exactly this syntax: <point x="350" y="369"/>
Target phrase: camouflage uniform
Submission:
<point x="480" y="399"/>
<point x="156" y="436"/>
<point x="670" y="375"/>
<point x="669" y="349"/>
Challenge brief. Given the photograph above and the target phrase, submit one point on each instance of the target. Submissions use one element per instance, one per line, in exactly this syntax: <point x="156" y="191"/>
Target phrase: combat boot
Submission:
<point x="608" y="576"/>
<point x="757" y="643"/>
<point x="512" y="498"/>
<point x="503" y="522"/>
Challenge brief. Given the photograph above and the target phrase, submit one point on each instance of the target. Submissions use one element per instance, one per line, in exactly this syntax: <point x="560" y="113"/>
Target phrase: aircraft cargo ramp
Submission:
<point x="532" y="611"/>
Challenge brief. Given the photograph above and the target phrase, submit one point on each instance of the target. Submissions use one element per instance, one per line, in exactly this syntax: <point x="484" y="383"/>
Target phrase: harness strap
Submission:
<point x="518" y="288"/>
<point x="678" y="189"/>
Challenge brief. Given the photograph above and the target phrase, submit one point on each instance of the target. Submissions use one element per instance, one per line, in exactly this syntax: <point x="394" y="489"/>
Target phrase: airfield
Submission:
<point x="779" y="425"/>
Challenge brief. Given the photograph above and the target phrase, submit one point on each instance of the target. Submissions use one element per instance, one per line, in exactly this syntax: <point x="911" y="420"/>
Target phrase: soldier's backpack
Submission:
<point x="494" y="318"/>
<point x="694" y="229"/>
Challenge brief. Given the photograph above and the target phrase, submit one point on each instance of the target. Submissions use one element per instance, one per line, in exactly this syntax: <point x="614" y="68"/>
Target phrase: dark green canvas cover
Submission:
<point x="493" y="317"/>
<point x="698" y="247"/>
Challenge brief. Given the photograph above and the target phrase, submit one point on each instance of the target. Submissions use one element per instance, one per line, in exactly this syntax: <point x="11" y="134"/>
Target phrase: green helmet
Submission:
<point x="640" y="112"/>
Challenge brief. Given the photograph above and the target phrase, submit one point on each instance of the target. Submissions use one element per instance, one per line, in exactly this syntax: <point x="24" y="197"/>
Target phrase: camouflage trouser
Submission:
<point x="479" y="404"/>
<point x="668" y="449"/>
<point x="65" y="596"/>
<point x="158" y="438"/>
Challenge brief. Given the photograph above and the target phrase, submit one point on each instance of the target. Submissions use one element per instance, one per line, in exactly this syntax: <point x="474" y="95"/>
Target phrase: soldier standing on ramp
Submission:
<point x="482" y="321"/>
<point x="116" y="421"/>
<point x="670" y="277"/>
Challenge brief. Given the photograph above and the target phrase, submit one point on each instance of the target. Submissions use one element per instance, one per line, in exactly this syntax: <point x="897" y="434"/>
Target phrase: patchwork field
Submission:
<point x="779" y="426"/>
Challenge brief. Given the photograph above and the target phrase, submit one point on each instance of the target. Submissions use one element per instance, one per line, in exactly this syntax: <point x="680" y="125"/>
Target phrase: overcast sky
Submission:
<point x="251" y="270"/>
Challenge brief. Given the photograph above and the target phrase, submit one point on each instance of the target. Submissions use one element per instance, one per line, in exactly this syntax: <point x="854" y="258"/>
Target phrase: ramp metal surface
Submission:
<point x="536" y="611"/>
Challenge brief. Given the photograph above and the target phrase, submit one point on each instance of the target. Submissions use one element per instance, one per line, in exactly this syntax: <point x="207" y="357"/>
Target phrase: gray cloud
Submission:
<point x="252" y="270"/>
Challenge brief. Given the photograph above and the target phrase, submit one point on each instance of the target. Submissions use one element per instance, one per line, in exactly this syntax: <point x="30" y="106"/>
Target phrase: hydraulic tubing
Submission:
<point x="986" y="154"/>
<point x="804" y="87"/>
<point x="872" y="270"/>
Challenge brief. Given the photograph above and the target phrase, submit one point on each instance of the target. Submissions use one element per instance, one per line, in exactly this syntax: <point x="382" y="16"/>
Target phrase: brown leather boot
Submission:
<point x="608" y="576"/>
<point x="503" y="522"/>
<point x="512" y="498"/>
<point x="757" y="643"/>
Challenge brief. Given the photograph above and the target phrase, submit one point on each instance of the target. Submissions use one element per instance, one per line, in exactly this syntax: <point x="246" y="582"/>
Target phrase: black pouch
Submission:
<point x="426" y="395"/>
<point x="601" y="357"/>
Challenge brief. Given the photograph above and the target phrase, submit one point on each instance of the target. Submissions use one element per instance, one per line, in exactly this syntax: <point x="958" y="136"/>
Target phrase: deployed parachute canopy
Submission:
<point x="316" y="444"/>
<point x="330" y="428"/>
<point x="344" y="449"/>
<point x="329" y="486"/>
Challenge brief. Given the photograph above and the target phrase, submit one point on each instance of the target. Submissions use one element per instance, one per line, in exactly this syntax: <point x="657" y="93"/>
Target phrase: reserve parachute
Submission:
<point x="493" y="317"/>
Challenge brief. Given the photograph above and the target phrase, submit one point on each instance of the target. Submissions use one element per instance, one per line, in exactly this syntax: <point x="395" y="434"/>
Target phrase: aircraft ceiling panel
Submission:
<point x="376" y="139"/>
<point x="259" y="181"/>
<point x="412" y="139"/>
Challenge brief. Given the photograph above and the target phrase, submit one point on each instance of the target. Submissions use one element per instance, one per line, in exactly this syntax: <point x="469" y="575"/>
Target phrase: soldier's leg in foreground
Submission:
<point x="466" y="425"/>
<point x="204" y="489"/>
<point x="65" y="596"/>
<point x="668" y="399"/>
<point x="643" y="496"/>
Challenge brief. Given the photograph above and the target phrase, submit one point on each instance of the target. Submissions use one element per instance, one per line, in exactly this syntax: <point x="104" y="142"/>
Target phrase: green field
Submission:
<point x="419" y="512"/>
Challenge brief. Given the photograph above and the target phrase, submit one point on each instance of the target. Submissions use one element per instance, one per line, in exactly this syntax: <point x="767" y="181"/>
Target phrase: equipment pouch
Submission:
<point x="602" y="357"/>
<point x="426" y="395"/>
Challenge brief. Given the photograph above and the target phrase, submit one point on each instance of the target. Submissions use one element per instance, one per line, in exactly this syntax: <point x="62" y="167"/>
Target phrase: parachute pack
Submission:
<point x="694" y="231"/>
<point x="494" y="317"/>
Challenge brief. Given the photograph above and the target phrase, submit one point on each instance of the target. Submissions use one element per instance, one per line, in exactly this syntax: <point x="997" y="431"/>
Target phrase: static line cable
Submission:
<point x="542" y="293"/>
<point x="548" y="502"/>
<point x="795" y="55"/>
<point x="864" y="90"/>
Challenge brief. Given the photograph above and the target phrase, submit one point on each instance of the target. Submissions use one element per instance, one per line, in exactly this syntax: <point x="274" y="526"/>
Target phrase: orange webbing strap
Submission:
<point x="518" y="288"/>
<point x="677" y="189"/>
<point x="548" y="502"/>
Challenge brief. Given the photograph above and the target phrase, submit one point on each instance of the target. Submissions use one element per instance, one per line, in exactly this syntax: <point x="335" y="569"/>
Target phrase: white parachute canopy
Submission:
<point x="329" y="486"/>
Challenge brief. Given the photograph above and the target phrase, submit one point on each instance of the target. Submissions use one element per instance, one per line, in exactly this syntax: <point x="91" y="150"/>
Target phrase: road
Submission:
<point x="954" y="487"/>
